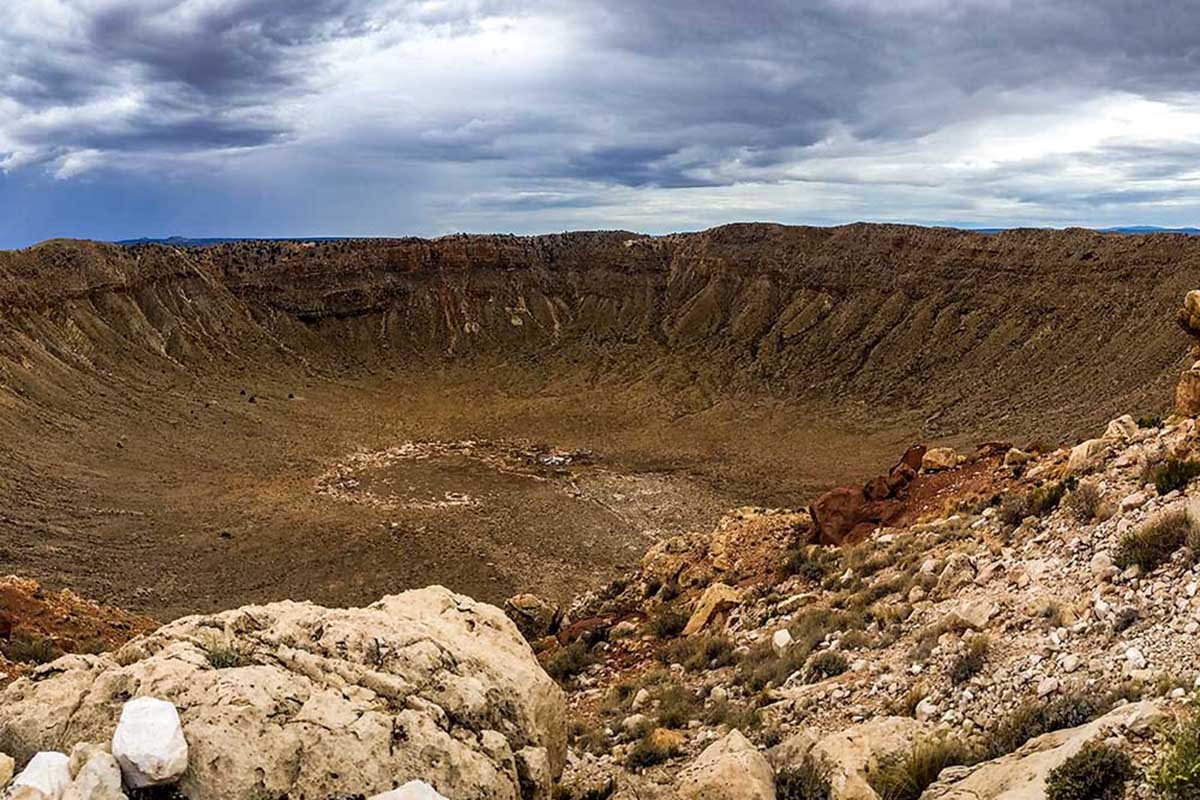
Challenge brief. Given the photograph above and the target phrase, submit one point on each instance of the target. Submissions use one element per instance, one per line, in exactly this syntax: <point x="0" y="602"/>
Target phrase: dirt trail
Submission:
<point x="166" y="414"/>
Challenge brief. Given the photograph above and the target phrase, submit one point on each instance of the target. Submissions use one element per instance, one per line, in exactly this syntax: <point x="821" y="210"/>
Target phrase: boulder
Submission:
<point x="98" y="779"/>
<point x="1188" y="316"/>
<point x="1021" y="775"/>
<point x="853" y="753"/>
<point x="413" y="790"/>
<point x="45" y="777"/>
<point x="974" y="614"/>
<point x="729" y="769"/>
<point x="425" y="685"/>
<point x="1087" y="456"/>
<point x="1187" y="393"/>
<point x="716" y="600"/>
<point x="939" y="458"/>
<point x="7" y="767"/>
<point x="534" y="617"/>
<point x="149" y="743"/>
<point x="1016" y="457"/>
<point x="1121" y="428"/>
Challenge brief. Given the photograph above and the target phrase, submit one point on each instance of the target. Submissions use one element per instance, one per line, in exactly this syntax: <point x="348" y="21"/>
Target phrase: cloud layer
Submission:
<point x="243" y="117"/>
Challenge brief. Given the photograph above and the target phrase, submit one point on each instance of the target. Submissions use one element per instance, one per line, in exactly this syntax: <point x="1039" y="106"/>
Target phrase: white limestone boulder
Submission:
<point x="149" y="743"/>
<point x="45" y="777"/>
<point x="413" y="790"/>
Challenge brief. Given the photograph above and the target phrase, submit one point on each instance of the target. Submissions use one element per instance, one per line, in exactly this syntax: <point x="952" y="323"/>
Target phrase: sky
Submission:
<point x="128" y="118"/>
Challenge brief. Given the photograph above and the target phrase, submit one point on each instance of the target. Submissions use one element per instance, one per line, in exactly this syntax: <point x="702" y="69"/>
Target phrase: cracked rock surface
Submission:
<point x="299" y="700"/>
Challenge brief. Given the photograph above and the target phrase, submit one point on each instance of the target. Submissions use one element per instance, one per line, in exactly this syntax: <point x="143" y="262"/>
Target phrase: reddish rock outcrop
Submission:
<point x="848" y="514"/>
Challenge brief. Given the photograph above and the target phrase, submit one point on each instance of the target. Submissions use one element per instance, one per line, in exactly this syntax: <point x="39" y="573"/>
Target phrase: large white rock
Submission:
<point x="729" y="769"/>
<point x="424" y="685"/>
<point x="45" y="777"/>
<point x="149" y="743"/>
<point x="413" y="790"/>
<point x="98" y="779"/>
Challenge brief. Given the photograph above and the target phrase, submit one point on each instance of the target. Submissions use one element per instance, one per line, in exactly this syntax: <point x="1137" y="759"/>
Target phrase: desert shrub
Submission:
<point x="1045" y="499"/>
<point x="668" y="623"/>
<point x="1096" y="772"/>
<point x="1175" y="474"/>
<point x="1177" y="775"/>
<point x="601" y="792"/>
<point x="1085" y="502"/>
<point x="1014" y="508"/>
<point x="225" y="656"/>
<point x="1150" y="421"/>
<point x="970" y="662"/>
<point x="906" y="775"/>
<point x="812" y="563"/>
<point x="811" y="779"/>
<point x="696" y="653"/>
<point x="856" y="640"/>
<point x="763" y="667"/>
<point x="651" y="749"/>
<point x="733" y="715"/>
<point x="569" y="661"/>
<point x="826" y="664"/>
<point x="1153" y="544"/>
<point x="677" y="706"/>
<point x="30" y="649"/>
<point x="1036" y="717"/>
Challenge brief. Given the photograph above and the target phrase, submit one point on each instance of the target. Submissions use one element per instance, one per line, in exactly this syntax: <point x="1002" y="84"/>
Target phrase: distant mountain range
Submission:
<point x="185" y="241"/>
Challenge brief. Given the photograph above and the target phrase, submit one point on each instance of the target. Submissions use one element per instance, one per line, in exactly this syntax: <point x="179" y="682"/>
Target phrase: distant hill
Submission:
<point x="184" y="241"/>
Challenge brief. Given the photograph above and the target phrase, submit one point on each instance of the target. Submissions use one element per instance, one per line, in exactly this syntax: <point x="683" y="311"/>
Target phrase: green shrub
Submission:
<point x="1153" y="544"/>
<point x="733" y="715"/>
<point x="970" y="662"/>
<point x="1177" y="775"/>
<point x="1150" y="421"/>
<point x="1035" y="718"/>
<point x="763" y="667"/>
<point x="569" y="661"/>
<point x="697" y="653"/>
<point x="1086" y="502"/>
<point x="1175" y="474"/>
<point x="1097" y="772"/>
<point x="1014" y="508"/>
<point x="668" y="623"/>
<point x="826" y="664"/>
<point x="30" y="649"/>
<point x="224" y="656"/>
<point x="906" y="775"/>
<point x="1045" y="499"/>
<point x="677" y="706"/>
<point x="811" y="779"/>
<point x="812" y="563"/>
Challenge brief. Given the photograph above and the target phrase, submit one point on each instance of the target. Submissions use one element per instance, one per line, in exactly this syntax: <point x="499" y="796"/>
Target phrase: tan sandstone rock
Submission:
<point x="729" y="769"/>
<point x="853" y="753"/>
<point x="1088" y="455"/>
<point x="939" y="458"/>
<point x="425" y="685"/>
<point x="716" y="600"/>
<point x="7" y="767"/>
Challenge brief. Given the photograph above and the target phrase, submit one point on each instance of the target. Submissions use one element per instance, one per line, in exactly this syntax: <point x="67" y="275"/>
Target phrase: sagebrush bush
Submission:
<point x="1177" y="774"/>
<point x="906" y="775"/>
<point x="970" y="662"/>
<point x="1153" y="544"/>
<point x="1036" y="718"/>
<point x="668" y="623"/>
<point x="1175" y="474"/>
<point x="223" y="656"/>
<point x="812" y="563"/>
<point x="1097" y="772"/>
<point x="569" y="661"/>
<point x="695" y="653"/>
<point x="826" y="664"/>
<point x="30" y="648"/>
<point x="1086" y="502"/>
<point x="1045" y="499"/>
<point x="1014" y="508"/>
<point x="677" y="706"/>
<point x="811" y="779"/>
<point x="1150" y="421"/>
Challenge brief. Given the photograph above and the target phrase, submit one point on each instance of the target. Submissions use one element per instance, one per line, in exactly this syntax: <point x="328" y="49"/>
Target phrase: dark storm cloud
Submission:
<point x="868" y="96"/>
